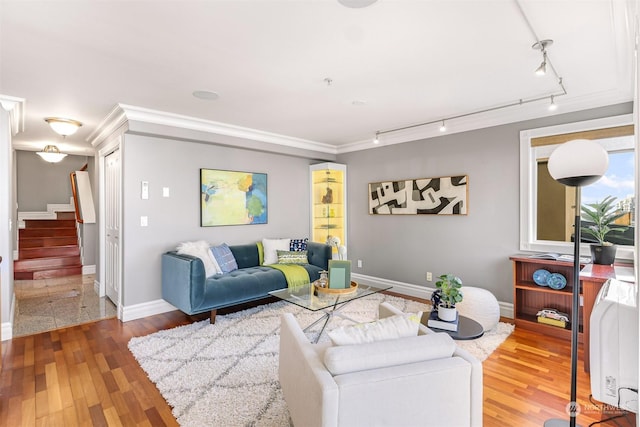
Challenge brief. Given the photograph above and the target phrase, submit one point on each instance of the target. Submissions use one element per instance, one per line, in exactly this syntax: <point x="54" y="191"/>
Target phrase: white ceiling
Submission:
<point x="408" y="61"/>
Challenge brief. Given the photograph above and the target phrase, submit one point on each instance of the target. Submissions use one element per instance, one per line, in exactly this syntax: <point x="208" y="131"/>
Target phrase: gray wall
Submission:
<point x="176" y="164"/>
<point x="40" y="183"/>
<point x="475" y="247"/>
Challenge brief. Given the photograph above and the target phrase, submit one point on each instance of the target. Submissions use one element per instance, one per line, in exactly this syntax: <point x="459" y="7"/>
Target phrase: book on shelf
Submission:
<point x="435" y="322"/>
<point x="559" y="257"/>
<point x="552" y="322"/>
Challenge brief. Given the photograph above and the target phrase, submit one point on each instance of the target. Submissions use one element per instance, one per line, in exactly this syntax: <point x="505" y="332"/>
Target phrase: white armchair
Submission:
<point x="424" y="380"/>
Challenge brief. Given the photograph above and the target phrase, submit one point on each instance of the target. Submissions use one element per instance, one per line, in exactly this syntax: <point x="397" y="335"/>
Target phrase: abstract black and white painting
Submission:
<point x="426" y="196"/>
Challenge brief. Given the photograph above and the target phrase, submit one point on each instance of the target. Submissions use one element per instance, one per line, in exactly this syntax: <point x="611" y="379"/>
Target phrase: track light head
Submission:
<point x="542" y="46"/>
<point x="376" y="140"/>
<point x="443" y="128"/>
<point x="553" y="106"/>
<point x="542" y="69"/>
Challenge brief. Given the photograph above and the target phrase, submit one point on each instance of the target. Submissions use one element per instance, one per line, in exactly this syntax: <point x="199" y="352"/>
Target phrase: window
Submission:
<point x="547" y="207"/>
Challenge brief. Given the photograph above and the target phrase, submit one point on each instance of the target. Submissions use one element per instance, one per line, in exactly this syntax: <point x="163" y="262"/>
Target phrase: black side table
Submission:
<point x="468" y="329"/>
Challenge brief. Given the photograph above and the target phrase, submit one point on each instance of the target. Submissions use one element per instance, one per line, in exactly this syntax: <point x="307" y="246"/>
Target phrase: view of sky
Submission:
<point x="617" y="182"/>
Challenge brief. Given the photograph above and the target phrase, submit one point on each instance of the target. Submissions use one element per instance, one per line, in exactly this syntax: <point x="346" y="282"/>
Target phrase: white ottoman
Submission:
<point x="480" y="305"/>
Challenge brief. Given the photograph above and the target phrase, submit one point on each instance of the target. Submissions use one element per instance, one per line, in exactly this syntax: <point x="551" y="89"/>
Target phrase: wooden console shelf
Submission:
<point x="529" y="298"/>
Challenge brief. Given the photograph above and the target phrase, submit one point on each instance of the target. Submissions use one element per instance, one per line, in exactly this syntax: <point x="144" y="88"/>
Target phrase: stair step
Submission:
<point x="48" y="273"/>
<point x="50" y="223"/>
<point x="66" y="215"/>
<point x="39" y="242"/>
<point x="48" y="252"/>
<point x="47" y="232"/>
<point x="45" y="263"/>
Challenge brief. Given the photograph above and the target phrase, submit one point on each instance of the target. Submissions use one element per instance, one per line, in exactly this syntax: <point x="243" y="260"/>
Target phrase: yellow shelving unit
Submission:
<point x="328" y="203"/>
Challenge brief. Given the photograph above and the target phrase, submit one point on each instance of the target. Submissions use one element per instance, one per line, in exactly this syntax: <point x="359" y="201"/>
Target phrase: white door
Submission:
<point x="112" y="226"/>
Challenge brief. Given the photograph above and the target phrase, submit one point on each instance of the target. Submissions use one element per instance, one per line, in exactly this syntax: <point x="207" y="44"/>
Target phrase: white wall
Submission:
<point x="475" y="247"/>
<point x="176" y="164"/>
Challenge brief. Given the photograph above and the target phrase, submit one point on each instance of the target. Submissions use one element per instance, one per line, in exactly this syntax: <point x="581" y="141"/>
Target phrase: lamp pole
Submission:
<point x="574" y="164"/>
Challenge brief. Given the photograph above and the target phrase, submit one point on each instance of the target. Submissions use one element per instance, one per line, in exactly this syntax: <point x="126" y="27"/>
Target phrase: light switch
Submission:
<point x="145" y="190"/>
<point x="165" y="191"/>
<point x="144" y="221"/>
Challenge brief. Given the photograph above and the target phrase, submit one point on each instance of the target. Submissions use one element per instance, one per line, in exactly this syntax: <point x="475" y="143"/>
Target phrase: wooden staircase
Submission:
<point x="48" y="248"/>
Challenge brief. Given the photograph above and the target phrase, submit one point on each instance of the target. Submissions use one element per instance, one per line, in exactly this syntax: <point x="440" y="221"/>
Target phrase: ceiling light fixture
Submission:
<point x="51" y="154"/>
<point x="539" y="45"/>
<point x="64" y="127"/>
<point x="542" y="46"/>
<point x="376" y="140"/>
<point x="206" y="95"/>
<point x="553" y="106"/>
<point x="443" y="128"/>
<point x="356" y="4"/>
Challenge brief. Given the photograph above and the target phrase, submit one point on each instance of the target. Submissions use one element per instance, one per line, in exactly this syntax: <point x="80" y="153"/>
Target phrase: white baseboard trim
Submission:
<point x="89" y="269"/>
<point x="506" y="308"/>
<point x="6" y="329"/>
<point x="138" y="311"/>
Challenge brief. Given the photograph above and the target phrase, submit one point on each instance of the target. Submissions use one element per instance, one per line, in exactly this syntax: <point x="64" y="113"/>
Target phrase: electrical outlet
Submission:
<point x="359" y="263"/>
<point x="429" y="276"/>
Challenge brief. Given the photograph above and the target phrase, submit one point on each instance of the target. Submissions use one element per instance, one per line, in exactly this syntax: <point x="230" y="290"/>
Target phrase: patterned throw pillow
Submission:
<point x="224" y="257"/>
<point x="298" y="244"/>
<point x="292" y="257"/>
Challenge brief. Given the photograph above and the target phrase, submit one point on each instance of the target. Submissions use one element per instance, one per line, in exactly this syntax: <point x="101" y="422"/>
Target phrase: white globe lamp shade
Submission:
<point x="579" y="162"/>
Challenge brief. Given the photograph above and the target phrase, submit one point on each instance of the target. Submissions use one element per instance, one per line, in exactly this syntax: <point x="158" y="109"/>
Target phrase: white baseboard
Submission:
<point x="506" y="308"/>
<point x="138" y="311"/>
<point x="6" y="329"/>
<point x="89" y="269"/>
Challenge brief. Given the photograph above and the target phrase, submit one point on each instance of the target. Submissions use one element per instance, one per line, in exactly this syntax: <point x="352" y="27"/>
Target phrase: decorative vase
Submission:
<point x="603" y="254"/>
<point x="448" y="314"/>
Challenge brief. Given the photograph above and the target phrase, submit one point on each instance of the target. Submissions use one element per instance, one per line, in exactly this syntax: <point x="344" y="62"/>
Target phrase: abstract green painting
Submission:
<point x="232" y="198"/>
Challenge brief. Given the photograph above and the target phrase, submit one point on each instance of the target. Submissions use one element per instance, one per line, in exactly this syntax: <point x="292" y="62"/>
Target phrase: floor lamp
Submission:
<point x="575" y="164"/>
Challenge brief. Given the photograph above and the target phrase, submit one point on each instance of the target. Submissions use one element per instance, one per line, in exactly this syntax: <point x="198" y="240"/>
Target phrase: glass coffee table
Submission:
<point x="328" y="301"/>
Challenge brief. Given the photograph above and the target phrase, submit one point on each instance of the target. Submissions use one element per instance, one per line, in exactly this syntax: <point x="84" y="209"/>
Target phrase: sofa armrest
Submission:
<point x="385" y="310"/>
<point x="304" y="380"/>
<point x="183" y="279"/>
<point x="319" y="254"/>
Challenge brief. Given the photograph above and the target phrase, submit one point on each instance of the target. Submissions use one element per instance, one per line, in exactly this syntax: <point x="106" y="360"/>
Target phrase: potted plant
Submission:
<point x="601" y="217"/>
<point x="448" y="289"/>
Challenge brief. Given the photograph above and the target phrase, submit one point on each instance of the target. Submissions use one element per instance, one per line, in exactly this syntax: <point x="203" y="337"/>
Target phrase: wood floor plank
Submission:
<point x="85" y="375"/>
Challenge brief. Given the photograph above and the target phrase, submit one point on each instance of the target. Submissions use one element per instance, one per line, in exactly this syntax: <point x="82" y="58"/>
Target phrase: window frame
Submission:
<point x="528" y="190"/>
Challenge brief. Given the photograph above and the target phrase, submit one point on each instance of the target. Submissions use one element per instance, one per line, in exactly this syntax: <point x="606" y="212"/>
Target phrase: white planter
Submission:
<point x="446" y="314"/>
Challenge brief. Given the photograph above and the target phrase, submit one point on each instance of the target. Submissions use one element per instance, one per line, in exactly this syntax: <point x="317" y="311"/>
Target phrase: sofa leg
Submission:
<point x="212" y="318"/>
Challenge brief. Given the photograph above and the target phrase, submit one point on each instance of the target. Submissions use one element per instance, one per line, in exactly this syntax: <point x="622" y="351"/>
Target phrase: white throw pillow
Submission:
<point x="381" y="354"/>
<point x="398" y="326"/>
<point x="271" y="247"/>
<point x="200" y="249"/>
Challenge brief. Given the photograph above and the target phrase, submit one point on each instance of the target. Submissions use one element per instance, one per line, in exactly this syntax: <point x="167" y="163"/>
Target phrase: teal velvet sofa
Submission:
<point x="185" y="286"/>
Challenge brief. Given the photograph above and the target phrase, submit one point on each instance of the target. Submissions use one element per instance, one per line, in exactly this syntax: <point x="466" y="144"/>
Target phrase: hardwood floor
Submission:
<point x="85" y="375"/>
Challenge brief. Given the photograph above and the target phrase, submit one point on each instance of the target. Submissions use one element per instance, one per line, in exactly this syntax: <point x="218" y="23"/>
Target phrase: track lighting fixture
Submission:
<point x="553" y="106"/>
<point x="443" y="128"/>
<point x="376" y="140"/>
<point x="542" y="45"/>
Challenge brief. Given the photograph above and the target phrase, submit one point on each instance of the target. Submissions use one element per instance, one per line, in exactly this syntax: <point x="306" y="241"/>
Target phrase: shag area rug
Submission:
<point x="226" y="374"/>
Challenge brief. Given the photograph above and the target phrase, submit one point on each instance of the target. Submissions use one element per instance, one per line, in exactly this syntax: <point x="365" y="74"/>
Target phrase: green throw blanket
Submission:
<point x="296" y="275"/>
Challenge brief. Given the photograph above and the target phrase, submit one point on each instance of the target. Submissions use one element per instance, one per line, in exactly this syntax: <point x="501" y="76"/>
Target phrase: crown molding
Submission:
<point x="114" y="120"/>
<point x="123" y="113"/>
<point x="16" y="108"/>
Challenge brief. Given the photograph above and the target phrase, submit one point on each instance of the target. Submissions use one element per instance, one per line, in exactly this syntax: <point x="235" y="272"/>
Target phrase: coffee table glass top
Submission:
<point x="308" y="297"/>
